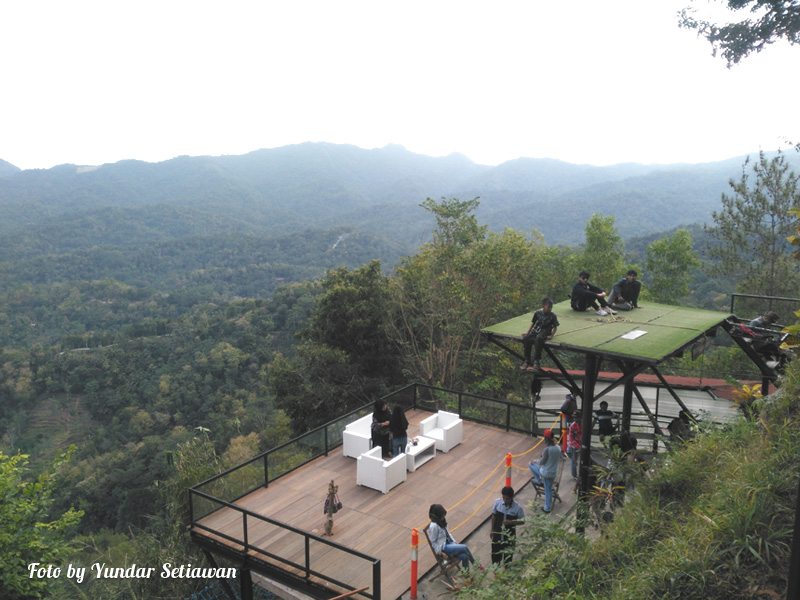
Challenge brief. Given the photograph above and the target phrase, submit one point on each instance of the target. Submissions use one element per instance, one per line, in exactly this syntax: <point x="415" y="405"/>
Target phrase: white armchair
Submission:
<point x="382" y="475"/>
<point x="446" y="428"/>
<point x="357" y="437"/>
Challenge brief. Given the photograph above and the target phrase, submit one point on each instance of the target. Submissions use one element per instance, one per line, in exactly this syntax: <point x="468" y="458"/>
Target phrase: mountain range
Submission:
<point x="372" y="195"/>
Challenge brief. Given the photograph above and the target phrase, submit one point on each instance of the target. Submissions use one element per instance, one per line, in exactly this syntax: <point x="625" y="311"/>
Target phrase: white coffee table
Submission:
<point x="418" y="455"/>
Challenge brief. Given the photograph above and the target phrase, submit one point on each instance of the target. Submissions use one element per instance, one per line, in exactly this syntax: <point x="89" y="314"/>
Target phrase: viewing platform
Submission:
<point x="266" y="515"/>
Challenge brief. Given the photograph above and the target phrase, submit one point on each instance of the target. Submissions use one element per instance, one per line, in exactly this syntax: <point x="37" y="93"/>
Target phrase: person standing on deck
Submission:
<point x="398" y="427"/>
<point x="506" y="515"/>
<point x="574" y="443"/>
<point x="545" y="468"/>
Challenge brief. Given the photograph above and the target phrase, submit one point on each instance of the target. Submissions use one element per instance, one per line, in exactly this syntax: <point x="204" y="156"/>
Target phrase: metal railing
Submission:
<point x="221" y="491"/>
<point x="765" y="303"/>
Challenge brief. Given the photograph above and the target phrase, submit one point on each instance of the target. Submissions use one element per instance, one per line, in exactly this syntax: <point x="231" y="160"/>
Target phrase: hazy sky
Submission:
<point x="588" y="81"/>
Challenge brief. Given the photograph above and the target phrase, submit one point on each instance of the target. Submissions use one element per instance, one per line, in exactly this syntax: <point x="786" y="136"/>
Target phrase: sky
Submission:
<point x="585" y="81"/>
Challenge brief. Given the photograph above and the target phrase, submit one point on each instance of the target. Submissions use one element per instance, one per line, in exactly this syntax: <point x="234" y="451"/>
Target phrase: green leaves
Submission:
<point x="670" y="262"/>
<point x="753" y="227"/>
<point x="27" y="533"/>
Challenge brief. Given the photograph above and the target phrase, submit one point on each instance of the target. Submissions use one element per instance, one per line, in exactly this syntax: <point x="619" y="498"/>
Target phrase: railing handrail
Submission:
<point x="196" y="490"/>
<point x="291" y="528"/>
<point x="294" y="440"/>
<point x="761" y="297"/>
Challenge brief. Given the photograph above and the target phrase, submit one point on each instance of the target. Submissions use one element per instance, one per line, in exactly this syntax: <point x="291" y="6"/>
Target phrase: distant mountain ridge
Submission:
<point x="321" y="185"/>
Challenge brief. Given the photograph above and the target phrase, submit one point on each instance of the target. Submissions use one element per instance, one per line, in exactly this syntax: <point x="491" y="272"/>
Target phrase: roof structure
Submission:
<point x="636" y="341"/>
<point x="645" y="335"/>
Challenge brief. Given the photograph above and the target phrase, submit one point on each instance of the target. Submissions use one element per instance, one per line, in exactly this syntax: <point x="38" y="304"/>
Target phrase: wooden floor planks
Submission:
<point x="378" y="524"/>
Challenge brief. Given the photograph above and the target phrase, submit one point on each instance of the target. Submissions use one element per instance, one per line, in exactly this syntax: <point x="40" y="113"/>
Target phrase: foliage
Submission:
<point x="745" y="397"/>
<point x="712" y="519"/>
<point x="754" y="225"/>
<point x="670" y="262"/>
<point x="27" y="533"/>
<point x="345" y="357"/>
<point x="772" y="20"/>
<point x="603" y="252"/>
<point x="462" y="282"/>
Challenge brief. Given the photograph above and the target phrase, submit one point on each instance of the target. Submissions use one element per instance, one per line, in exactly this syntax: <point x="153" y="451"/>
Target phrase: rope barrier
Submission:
<point x="491" y="491"/>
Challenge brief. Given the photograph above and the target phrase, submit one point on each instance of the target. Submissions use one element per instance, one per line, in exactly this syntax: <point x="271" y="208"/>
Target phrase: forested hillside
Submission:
<point x="172" y="320"/>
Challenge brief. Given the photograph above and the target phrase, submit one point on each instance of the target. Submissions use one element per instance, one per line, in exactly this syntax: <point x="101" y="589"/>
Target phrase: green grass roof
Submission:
<point x="667" y="330"/>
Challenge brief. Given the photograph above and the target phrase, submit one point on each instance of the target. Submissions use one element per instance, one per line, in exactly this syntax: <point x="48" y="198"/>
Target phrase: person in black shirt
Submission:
<point x="543" y="327"/>
<point x="625" y="293"/>
<point x="605" y="420"/>
<point x="584" y="295"/>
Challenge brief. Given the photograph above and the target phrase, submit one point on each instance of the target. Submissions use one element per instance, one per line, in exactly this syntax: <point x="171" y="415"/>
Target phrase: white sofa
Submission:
<point x="357" y="437"/>
<point x="446" y="428"/>
<point x="382" y="475"/>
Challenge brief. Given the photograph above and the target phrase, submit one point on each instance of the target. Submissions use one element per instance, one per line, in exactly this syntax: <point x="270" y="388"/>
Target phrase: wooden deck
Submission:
<point x="378" y="524"/>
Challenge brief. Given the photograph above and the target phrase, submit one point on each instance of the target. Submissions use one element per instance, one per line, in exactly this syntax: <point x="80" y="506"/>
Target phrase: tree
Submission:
<point x="26" y="534"/>
<point x="772" y="20"/>
<point x="347" y="357"/>
<point x="669" y="263"/>
<point x="753" y="226"/>
<point x="351" y="316"/>
<point x="603" y="252"/>
<point x="457" y="285"/>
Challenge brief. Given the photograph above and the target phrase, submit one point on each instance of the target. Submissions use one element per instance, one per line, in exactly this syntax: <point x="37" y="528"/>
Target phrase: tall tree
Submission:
<point x="603" y="252"/>
<point x="458" y="284"/>
<point x="347" y="357"/>
<point x="772" y="20"/>
<point x="753" y="226"/>
<point x="669" y="263"/>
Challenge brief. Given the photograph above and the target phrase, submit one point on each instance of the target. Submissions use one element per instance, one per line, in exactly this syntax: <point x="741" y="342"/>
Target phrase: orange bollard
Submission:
<point x="508" y="469"/>
<point x="414" y="555"/>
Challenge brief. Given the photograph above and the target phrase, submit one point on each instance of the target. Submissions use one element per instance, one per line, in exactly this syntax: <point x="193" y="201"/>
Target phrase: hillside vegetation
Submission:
<point x="711" y="519"/>
<point x="170" y="331"/>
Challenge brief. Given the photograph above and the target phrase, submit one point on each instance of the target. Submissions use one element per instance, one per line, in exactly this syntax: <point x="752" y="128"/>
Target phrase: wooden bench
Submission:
<point x="539" y="487"/>
<point x="444" y="562"/>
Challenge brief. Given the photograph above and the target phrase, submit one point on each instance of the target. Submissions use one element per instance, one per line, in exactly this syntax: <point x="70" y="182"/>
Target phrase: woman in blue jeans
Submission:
<point x="442" y="541"/>
<point x="545" y="468"/>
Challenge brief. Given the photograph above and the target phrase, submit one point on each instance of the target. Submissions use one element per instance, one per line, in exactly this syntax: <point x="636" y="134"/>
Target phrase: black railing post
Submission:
<point x="244" y="532"/>
<point x="266" y="469"/>
<point x="191" y="506"/>
<point x="325" y="430"/>
<point x="508" y="417"/>
<point x="460" y="403"/>
<point x="376" y="580"/>
<point x="415" y="395"/>
<point x="308" y="556"/>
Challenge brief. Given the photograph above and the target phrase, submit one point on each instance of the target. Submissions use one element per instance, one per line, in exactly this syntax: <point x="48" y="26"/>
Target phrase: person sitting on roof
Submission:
<point x="625" y="293"/>
<point x="584" y="295"/>
<point x="543" y="327"/>
<point x="765" y="321"/>
<point x="766" y="341"/>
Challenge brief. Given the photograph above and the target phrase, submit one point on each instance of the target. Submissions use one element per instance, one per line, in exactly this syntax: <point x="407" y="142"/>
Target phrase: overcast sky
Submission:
<point x="585" y="81"/>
